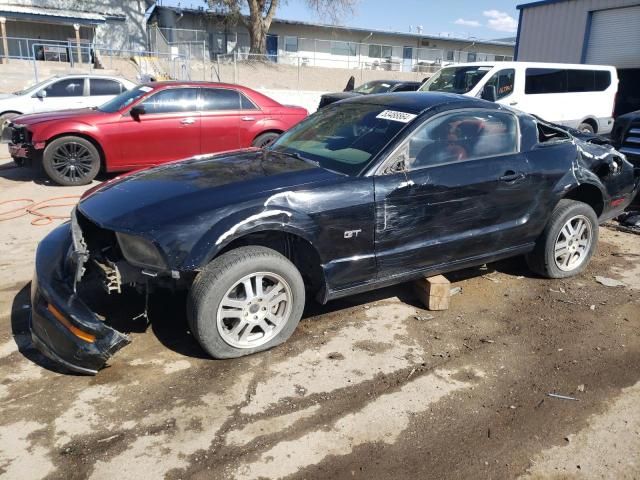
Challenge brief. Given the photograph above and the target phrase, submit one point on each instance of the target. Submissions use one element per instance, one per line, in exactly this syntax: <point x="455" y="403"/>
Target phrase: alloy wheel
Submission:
<point x="573" y="243"/>
<point x="72" y="161"/>
<point x="254" y="310"/>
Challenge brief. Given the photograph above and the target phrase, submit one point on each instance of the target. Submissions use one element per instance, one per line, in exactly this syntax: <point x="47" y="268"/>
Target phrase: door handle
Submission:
<point x="188" y="121"/>
<point x="247" y="119"/>
<point x="511" y="177"/>
<point x="513" y="103"/>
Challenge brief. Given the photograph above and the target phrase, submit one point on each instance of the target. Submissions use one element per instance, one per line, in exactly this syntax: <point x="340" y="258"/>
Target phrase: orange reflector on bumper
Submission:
<point x="87" y="337"/>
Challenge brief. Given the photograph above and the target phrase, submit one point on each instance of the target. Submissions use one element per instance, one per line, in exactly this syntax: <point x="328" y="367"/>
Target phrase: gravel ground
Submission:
<point x="372" y="386"/>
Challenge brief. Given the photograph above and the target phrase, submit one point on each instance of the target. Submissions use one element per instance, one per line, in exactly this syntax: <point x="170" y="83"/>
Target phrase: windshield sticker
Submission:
<point x="146" y="89"/>
<point x="396" y="116"/>
<point x="484" y="69"/>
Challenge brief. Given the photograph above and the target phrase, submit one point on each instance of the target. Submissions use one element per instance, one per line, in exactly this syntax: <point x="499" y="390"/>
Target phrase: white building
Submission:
<point x="324" y="45"/>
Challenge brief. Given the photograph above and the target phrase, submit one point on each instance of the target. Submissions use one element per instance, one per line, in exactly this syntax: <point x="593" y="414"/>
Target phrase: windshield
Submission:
<point x="32" y="88"/>
<point x="373" y="87"/>
<point x="124" y="99"/>
<point x="455" y="79"/>
<point x="343" y="138"/>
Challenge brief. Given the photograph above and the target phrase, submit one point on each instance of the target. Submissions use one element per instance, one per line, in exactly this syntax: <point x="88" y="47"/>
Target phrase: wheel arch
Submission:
<point x="10" y="111"/>
<point x="85" y="136"/>
<point x="591" y="121"/>
<point x="279" y="131"/>
<point x="589" y="194"/>
<point x="293" y="245"/>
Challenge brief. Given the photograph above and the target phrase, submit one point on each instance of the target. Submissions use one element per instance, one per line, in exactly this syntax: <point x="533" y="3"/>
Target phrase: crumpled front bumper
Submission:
<point x="62" y="326"/>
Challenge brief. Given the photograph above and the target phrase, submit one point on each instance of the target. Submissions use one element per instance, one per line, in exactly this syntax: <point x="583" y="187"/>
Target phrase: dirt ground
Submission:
<point x="372" y="386"/>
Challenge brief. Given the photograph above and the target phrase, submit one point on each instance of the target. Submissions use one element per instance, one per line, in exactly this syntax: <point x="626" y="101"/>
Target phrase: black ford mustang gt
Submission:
<point x="369" y="192"/>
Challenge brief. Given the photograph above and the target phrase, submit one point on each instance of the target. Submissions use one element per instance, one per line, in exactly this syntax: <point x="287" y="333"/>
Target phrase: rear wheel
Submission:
<point x="586" y="128"/>
<point x="265" y="139"/>
<point x="245" y="301"/>
<point x="567" y="242"/>
<point x="71" y="161"/>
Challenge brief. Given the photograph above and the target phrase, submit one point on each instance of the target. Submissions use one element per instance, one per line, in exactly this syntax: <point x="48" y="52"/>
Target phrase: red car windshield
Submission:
<point x="124" y="99"/>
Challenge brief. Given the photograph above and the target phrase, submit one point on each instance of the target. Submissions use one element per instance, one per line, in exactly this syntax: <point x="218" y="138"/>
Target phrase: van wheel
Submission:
<point x="567" y="242"/>
<point x="586" y="128"/>
<point x="71" y="161"/>
<point x="245" y="301"/>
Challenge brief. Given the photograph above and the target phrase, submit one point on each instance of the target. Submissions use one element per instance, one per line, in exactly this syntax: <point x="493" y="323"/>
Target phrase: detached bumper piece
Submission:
<point x="63" y="328"/>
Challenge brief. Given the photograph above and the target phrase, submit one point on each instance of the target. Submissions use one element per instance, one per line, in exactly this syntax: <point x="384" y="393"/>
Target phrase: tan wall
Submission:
<point x="277" y="76"/>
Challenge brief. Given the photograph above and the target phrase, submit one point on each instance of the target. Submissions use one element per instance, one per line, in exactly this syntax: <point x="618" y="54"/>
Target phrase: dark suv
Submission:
<point x="369" y="192"/>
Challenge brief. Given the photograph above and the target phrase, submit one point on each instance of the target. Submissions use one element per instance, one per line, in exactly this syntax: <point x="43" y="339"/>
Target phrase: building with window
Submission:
<point x="604" y="32"/>
<point x="325" y="45"/>
<point x="51" y="29"/>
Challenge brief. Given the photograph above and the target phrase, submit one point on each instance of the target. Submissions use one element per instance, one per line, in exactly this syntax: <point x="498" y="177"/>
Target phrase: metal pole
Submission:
<point x="204" y="64"/>
<point x="5" y="43"/>
<point x="76" y="27"/>
<point x="35" y="64"/>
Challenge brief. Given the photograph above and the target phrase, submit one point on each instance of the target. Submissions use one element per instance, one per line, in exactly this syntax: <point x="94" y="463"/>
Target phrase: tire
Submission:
<point x="264" y="139"/>
<point x="71" y="160"/>
<point x="219" y="328"/>
<point x="557" y="253"/>
<point x="7" y="116"/>
<point x="586" y="128"/>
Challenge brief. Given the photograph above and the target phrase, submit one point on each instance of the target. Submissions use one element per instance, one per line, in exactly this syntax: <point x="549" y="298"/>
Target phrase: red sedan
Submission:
<point x="151" y="124"/>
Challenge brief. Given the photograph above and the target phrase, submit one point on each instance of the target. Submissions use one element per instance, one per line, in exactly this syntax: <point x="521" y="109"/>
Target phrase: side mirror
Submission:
<point x="136" y="111"/>
<point x="489" y="93"/>
<point x="41" y="93"/>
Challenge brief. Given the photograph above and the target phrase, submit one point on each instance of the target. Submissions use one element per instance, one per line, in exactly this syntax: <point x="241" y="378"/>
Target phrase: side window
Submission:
<point x="545" y="80"/>
<point x="602" y="80"/>
<point x="104" y="86"/>
<point x="503" y="81"/>
<point x="406" y="87"/>
<point x="216" y="99"/>
<point x="247" y="104"/>
<point x="460" y="136"/>
<point x="70" y="87"/>
<point x="172" y="100"/>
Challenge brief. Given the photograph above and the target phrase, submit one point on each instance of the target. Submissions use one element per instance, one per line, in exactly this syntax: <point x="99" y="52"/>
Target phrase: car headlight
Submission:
<point x="139" y="251"/>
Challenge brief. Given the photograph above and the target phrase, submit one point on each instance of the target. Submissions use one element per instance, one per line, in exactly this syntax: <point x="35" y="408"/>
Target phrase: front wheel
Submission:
<point x="71" y="161"/>
<point x="245" y="301"/>
<point x="567" y="242"/>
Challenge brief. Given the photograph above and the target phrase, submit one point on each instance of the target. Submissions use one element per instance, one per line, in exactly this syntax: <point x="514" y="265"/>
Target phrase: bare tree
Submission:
<point x="262" y="12"/>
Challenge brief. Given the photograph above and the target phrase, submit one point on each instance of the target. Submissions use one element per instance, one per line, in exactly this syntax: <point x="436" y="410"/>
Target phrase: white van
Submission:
<point x="578" y="96"/>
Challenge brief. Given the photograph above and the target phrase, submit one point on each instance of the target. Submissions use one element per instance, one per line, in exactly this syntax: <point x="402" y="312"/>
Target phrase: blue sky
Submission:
<point x="486" y="19"/>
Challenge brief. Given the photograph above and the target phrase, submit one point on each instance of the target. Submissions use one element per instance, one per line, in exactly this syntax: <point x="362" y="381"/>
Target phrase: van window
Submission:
<point x="555" y="80"/>
<point x="503" y="81"/>
<point x="602" y="80"/>
<point x="455" y="79"/>
<point x="545" y="80"/>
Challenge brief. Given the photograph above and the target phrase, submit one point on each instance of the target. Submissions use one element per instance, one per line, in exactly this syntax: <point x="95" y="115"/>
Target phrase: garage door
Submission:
<point x="615" y="38"/>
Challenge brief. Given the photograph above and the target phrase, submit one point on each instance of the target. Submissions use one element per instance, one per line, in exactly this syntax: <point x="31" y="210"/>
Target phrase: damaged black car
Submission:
<point x="369" y="192"/>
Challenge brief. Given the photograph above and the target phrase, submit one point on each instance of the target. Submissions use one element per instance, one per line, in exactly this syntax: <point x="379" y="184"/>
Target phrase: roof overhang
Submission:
<point x="52" y="15"/>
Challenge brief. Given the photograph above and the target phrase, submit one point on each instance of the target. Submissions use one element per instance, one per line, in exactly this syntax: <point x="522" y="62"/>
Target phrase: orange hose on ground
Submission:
<point x="36" y="209"/>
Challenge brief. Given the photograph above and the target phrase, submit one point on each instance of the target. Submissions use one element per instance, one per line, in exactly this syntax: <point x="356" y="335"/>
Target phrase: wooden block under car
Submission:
<point x="433" y="292"/>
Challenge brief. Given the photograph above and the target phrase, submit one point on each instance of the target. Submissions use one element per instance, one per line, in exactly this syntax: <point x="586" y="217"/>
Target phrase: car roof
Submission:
<point x="512" y="64"/>
<point x="194" y="83"/>
<point x="417" y="102"/>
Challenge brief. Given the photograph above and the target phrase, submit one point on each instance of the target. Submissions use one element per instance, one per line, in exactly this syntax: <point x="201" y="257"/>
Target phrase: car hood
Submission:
<point x="4" y="96"/>
<point x="180" y="193"/>
<point x="35" y="118"/>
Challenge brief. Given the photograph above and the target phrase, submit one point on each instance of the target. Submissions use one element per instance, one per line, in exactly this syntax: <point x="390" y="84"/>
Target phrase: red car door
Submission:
<point x="168" y="128"/>
<point x="226" y="125"/>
